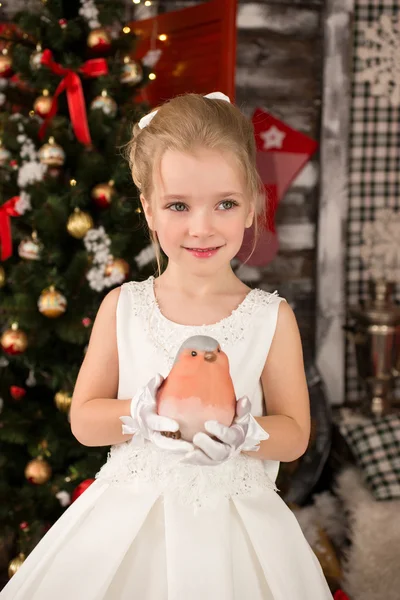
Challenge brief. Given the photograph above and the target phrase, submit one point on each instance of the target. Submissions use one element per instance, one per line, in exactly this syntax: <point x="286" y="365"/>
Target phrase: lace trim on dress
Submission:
<point x="149" y="468"/>
<point x="168" y="336"/>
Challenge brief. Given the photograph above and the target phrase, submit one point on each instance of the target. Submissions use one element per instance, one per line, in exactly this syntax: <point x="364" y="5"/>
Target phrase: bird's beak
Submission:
<point x="210" y="356"/>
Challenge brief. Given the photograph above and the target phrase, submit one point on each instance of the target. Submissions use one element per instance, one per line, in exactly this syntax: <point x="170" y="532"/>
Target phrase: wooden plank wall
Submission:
<point x="279" y="67"/>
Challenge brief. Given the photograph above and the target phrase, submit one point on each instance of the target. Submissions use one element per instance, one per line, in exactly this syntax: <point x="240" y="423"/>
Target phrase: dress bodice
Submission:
<point x="147" y="344"/>
<point x="148" y="341"/>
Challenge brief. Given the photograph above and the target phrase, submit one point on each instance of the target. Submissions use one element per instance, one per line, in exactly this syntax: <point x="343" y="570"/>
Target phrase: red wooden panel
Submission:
<point x="199" y="54"/>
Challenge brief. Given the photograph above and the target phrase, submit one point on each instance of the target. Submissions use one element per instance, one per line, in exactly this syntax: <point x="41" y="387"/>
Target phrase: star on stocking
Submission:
<point x="273" y="137"/>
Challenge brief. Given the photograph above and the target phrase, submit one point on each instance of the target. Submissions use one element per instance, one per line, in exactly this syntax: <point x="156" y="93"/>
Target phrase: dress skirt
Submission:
<point x="151" y="529"/>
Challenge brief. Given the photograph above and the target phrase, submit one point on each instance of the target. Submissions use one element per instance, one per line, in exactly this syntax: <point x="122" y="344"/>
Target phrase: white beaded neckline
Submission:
<point x="240" y="308"/>
<point x="168" y="335"/>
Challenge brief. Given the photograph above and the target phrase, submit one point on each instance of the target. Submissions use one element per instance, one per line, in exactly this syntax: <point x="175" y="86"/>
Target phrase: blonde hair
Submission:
<point x="188" y="122"/>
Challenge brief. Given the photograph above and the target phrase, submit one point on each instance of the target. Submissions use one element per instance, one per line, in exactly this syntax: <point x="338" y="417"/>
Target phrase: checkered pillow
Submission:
<point x="375" y="444"/>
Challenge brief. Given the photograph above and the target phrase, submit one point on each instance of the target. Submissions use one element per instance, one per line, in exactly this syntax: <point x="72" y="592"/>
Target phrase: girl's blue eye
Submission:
<point x="228" y="204"/>
<point x="178" y="207"/>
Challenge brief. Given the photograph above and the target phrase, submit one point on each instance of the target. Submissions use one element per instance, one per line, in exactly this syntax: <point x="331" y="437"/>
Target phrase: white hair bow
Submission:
<point x="144" y="121"/>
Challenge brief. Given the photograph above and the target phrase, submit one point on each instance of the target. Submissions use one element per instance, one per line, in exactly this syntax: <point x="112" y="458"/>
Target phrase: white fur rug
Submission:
<point x="372" y="567"/>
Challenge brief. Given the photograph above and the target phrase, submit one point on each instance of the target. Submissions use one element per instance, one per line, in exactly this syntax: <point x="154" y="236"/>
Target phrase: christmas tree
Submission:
<point x="70" y="230"/>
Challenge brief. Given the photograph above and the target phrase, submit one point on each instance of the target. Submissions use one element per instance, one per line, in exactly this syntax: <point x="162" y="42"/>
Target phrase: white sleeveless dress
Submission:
<point x="150" y="528"/>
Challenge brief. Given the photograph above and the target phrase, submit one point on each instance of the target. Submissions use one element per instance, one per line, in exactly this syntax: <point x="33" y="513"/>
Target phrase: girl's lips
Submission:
<point x="203" y="252"/>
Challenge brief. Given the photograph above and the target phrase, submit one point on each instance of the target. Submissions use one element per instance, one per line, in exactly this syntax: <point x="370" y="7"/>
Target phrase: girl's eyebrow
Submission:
<point x="183" y="197"/>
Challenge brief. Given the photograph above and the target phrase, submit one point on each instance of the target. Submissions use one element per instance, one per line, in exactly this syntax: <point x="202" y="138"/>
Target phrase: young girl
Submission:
<point x="168" y="519"/>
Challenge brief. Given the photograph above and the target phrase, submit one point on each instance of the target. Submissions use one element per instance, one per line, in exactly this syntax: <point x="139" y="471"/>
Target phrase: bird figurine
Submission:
<point x="198" y="388"/>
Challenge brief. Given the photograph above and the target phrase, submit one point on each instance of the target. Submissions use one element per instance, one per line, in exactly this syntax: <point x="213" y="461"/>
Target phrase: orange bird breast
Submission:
<point x="199" y="388"/>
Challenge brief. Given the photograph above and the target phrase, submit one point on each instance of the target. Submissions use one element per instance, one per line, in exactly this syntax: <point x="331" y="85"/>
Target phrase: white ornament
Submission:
<point x="151" y="58"/>
<point x="145" y="256"/>
<point x="64" y="498"/>
<point x="30" y="172"/>
<point x="31" y="379"/>
<point x="23" y="204"/>
<point x="98" y="243"/>
<point x="273" y="137"/>
<point x="381" y="55"/>
<point x="380" y="251"/>
<point x="90" y="13"/>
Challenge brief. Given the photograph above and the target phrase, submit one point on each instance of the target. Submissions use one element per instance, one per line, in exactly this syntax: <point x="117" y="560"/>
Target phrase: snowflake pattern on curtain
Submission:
<point x="380" y="53"/>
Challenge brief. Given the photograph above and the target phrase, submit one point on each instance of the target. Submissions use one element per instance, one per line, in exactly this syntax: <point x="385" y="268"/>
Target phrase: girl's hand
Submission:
<point x="243" y="434"/>
<point x="146" y="423"/>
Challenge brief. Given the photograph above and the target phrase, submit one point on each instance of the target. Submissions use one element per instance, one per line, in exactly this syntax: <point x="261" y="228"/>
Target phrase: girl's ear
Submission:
<point x="250" y="216"/>
<point x="148" y="213"/>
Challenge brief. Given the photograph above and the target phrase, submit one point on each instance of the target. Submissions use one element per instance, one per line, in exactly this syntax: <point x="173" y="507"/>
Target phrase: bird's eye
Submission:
<point x="194" y="353"/>
<point x="219" y="349"/>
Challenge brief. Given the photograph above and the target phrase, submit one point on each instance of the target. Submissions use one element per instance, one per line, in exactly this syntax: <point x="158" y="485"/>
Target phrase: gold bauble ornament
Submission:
<point x="52" y="303"/>
<point x="99" y="40"/>
<point x="35" y="60"/>
<point x="5" y="155"/>
<point x="42" y="104"/>
<point x="14" y="341"/>
<point x="103" y="193"/>
<point x="132" y="72"/>
<point x="5" y="64"/>
<point x="79" y="223"/>
<point x="105" y="103"/>
<point x="117" y="266"/>
<point x="63" y="401"/>
<point x="15" y="564"/>
<point x="30" y="248"/>
<point x="2" y="277"/>
<point x="38" y="471"/>
<point x="52" y="154"/>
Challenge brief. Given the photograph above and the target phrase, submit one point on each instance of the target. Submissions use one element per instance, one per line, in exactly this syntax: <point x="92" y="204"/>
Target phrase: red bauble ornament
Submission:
<point x="24" y="526"/>
<point x="14" y="341"/>
<point x="103" y="193"/>
<point x="81" y="488"/>
<point x="17" y="392"/>
<point x="99" y="40"/>
<point x="43" y="104"/>
<point x="62" y="23"/>
<point x="5" y="64"/>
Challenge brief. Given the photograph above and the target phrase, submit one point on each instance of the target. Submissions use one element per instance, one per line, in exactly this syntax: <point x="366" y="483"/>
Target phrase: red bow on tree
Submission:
<point x="76" y="101"/>
<point x="7" y="210"/>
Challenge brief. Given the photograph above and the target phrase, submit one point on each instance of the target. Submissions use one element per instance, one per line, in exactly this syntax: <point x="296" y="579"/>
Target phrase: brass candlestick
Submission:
<point x="375" y="333"/>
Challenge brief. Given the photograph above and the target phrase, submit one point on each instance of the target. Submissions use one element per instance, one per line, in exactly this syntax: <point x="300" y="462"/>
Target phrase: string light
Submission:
<point x="162" y="37"/>
<point x="72" y="182"/>
<point x="126" y="30"/>
<point x="147" y="3"/>
<point x="152" y="76"/>
<point x="136" y="1"/>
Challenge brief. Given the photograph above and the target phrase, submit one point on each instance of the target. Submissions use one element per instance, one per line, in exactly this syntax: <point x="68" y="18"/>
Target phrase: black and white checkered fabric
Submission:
<point x="374" y="178"/>
<point x="375" y="444"/>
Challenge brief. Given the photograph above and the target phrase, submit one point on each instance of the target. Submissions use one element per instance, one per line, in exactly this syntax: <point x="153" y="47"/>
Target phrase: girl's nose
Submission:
<point x="200" y="224"/>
